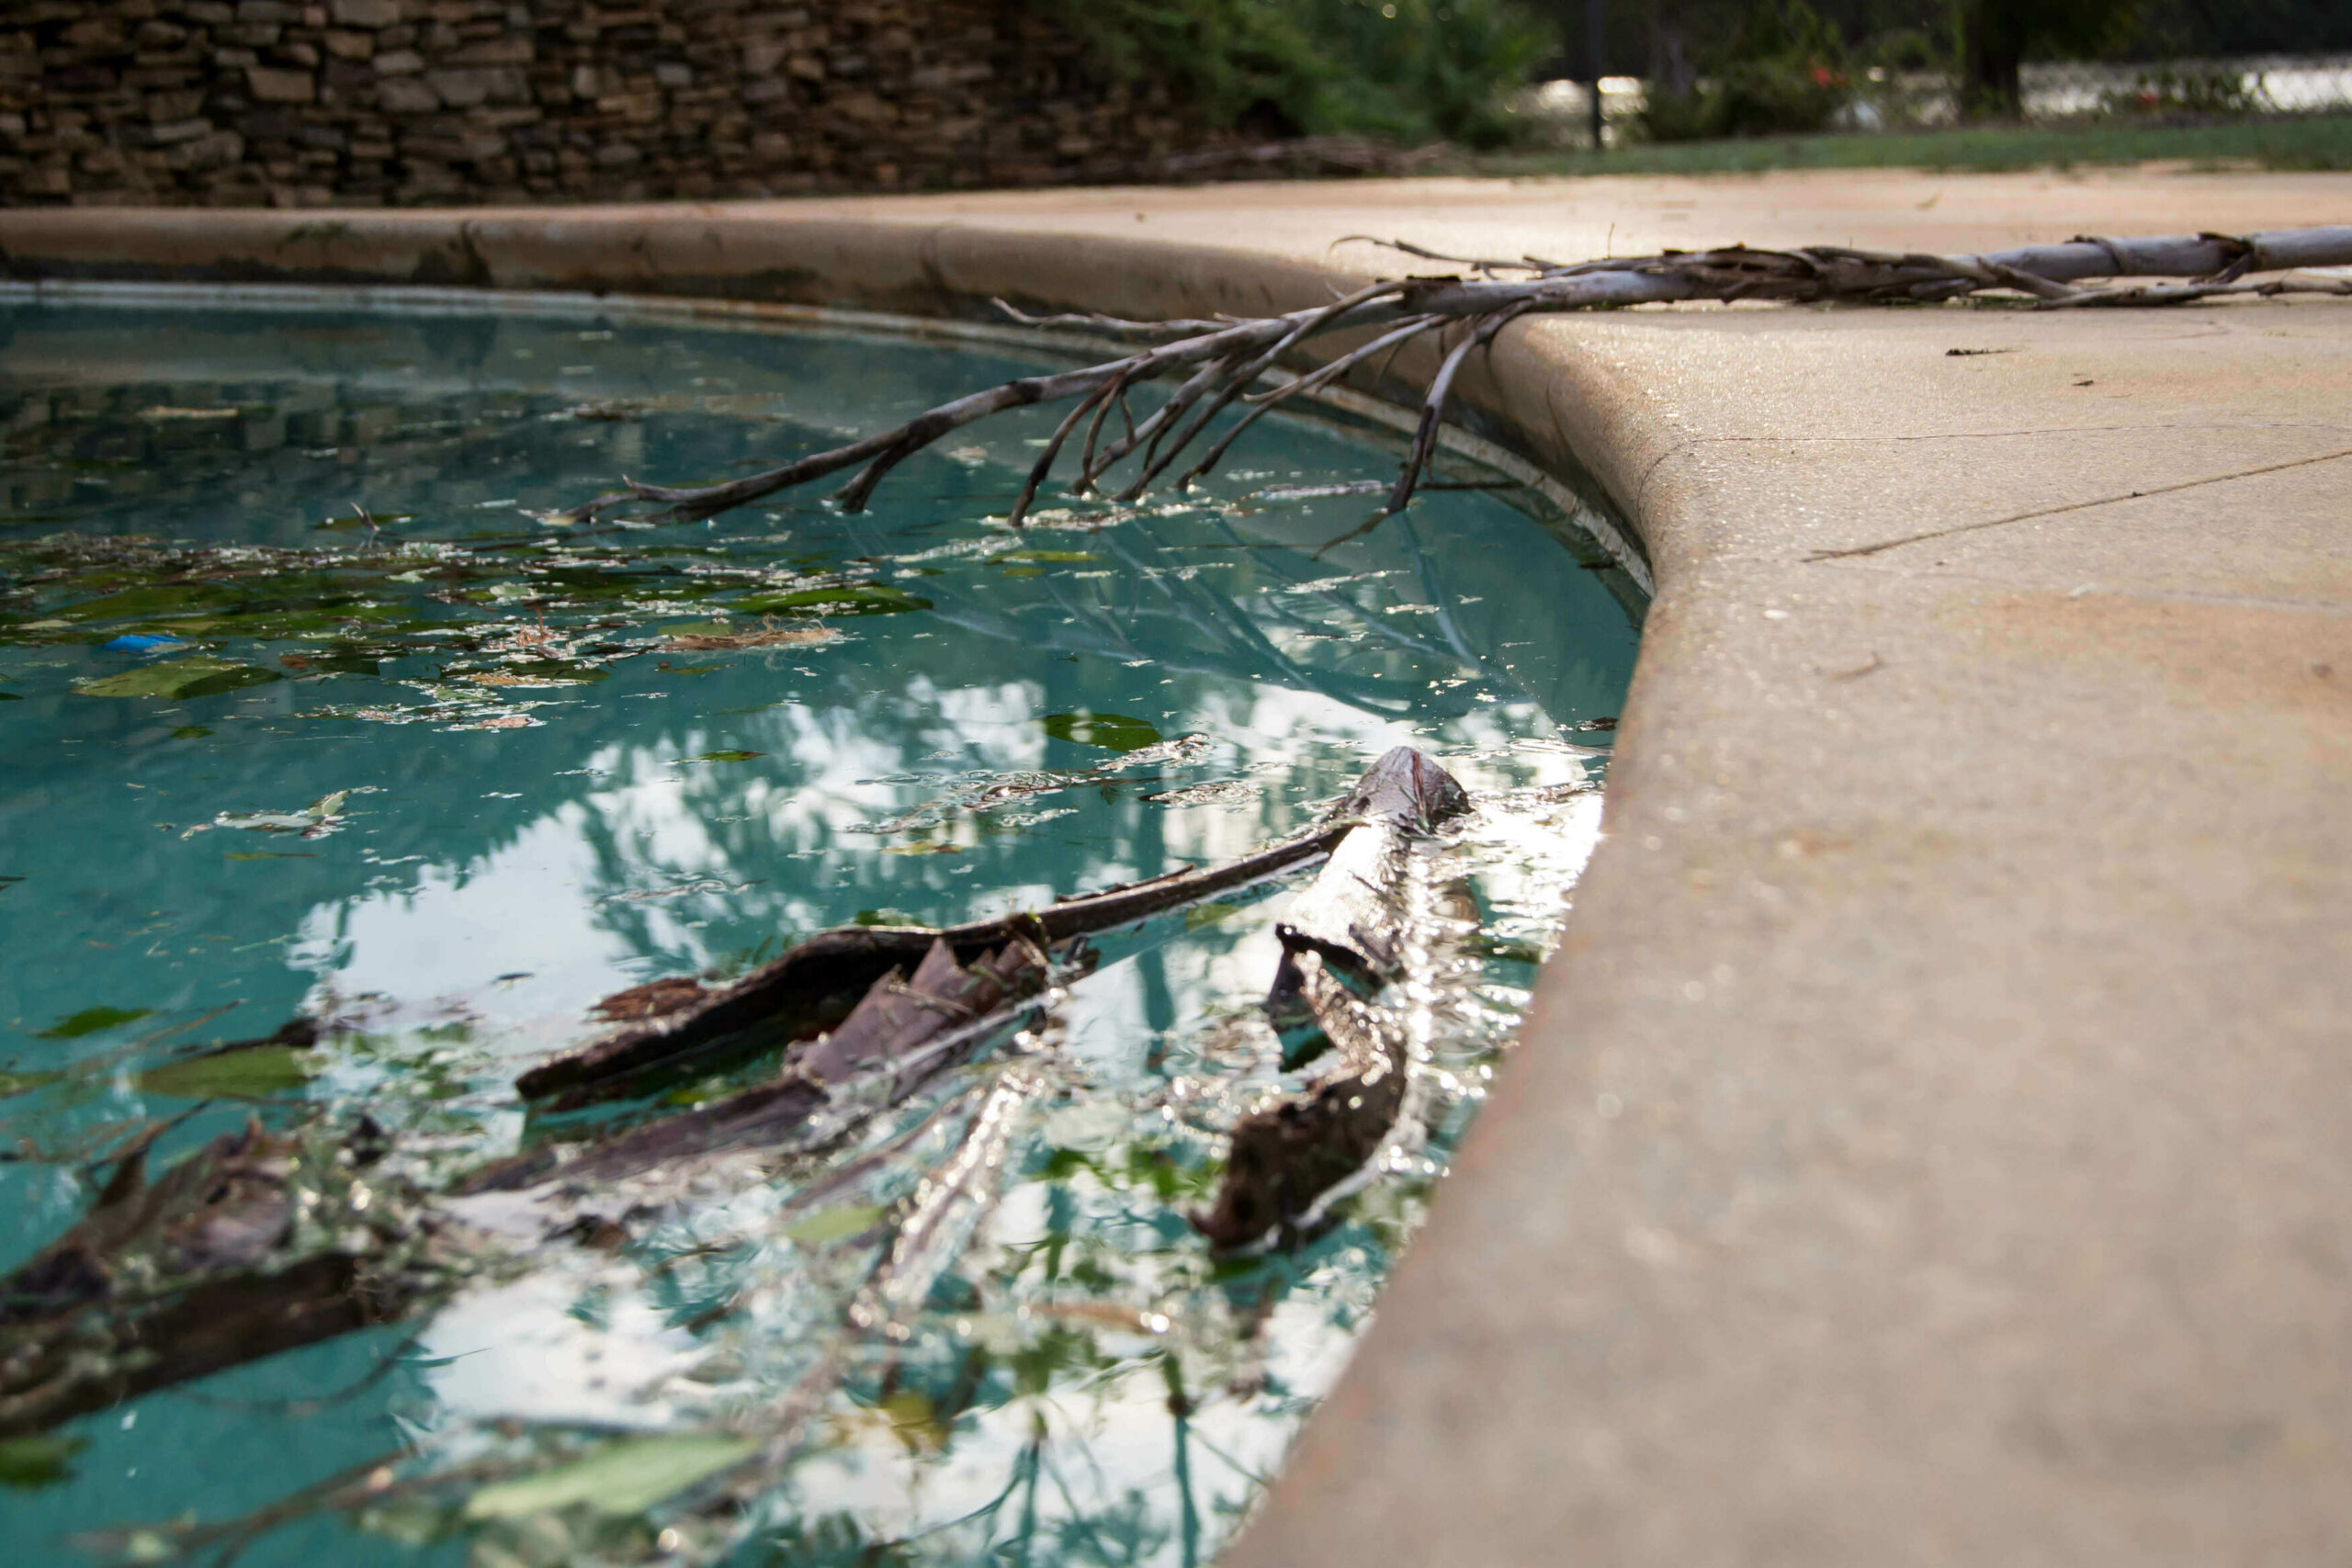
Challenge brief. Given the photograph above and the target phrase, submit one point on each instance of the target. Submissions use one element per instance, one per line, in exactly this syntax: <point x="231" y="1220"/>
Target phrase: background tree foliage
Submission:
<point x="1761" y="59"/>
<point x="1419" y="70"/>
<point x="1411" y="71"/>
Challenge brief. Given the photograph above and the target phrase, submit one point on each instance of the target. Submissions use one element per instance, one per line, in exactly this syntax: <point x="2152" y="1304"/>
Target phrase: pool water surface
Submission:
<point x="312" y="705"/>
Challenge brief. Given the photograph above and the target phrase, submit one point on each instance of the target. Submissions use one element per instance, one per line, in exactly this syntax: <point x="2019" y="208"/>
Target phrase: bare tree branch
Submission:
<point x="1221" y="361"/>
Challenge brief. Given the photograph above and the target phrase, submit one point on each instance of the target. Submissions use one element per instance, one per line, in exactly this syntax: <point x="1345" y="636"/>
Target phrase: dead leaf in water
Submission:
<point x="711" y="636"/>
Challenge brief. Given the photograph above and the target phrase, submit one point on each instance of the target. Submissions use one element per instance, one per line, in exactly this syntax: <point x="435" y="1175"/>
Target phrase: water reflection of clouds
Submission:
<point x="540" y="904"/>
<point x="453" y="931"/>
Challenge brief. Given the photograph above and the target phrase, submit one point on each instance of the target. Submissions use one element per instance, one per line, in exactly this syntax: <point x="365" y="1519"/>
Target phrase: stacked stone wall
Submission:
<point x="411" y="102"/>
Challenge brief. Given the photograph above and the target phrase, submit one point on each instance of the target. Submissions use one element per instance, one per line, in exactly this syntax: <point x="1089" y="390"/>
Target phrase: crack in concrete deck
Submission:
<point x="1919" y="538"/>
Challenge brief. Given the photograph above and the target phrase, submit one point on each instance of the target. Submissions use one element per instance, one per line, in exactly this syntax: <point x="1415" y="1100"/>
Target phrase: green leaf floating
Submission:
<point x="89" y="1020"/>
<point x="28" y="1462"/>
<point x="259" y="1072"/>
<point x="193" y="677"/>
<point x="859" y="599"/>
<point x="1112" y="731"/>
<point x="726" y="756"/>
<point x="620" y="1478"/>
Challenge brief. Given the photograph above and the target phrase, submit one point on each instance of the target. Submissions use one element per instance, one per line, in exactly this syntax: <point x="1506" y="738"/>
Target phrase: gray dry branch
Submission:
<point x="1223" y="362"/>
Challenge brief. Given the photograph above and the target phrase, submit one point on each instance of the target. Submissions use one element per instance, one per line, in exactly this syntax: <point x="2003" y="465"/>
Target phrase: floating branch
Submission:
<point x="164" y="1281"/>
<point x="1220" y="362"/>
<point x="819" y="981"/>
<point x="1347" y="932"/>
<point x="906" y="1029"/>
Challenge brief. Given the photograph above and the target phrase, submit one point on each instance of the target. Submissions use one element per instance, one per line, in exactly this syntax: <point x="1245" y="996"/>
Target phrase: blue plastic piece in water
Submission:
<point x="140" y="642"/>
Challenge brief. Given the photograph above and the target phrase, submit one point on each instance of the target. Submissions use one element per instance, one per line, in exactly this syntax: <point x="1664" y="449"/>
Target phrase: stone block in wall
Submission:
<point x="348" y="44"/>
<point x="510" y="50"/>
<point x="406" y="96"/>
<point x="398" y="62"/>
<point x="161" y="108"/>
<point x="469" y="85"/>
<point x="372" y="13"/>
<point x="272" y="85"/>
<point x="173" y="134"/>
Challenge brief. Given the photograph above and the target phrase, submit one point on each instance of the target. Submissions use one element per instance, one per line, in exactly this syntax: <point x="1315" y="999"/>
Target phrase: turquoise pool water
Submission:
<point x="308" y="707"/>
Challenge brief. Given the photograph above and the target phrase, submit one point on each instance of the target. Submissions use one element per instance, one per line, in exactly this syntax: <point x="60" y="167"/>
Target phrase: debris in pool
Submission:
<point x="140" y="642"/>
<point x="811" y="983"/>
<point x="89" y="1020"/>
<point x="197" y="675"/>
<point x="710" y="637"/>
<point x="1111" y="731"/>
<point x="205" y="1267"/>
<point x="655" y="999"/>
<point x="903" y="1030"/>
<point x="1227" y="792"/>
<point x="321" y="816"/>
<point x="263" y="1071"/>
<point x="678" y="890"/>
<point x="1347" y="932"/>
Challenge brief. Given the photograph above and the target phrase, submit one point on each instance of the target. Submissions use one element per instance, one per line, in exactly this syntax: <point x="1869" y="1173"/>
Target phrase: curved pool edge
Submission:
<point x="1927" y="1140"/>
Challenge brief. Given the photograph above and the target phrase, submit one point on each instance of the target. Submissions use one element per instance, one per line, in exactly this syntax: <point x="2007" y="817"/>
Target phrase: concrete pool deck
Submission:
<point x="1932" y="1142"/>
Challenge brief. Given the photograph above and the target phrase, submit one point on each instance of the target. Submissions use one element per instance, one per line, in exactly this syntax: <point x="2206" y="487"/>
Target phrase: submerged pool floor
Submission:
<point x="309" y="706"/>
